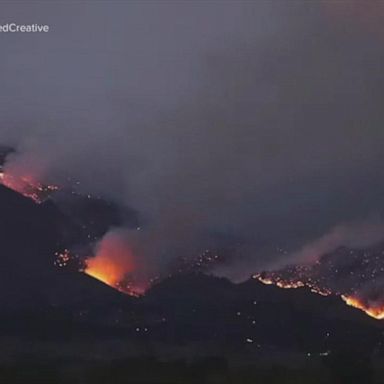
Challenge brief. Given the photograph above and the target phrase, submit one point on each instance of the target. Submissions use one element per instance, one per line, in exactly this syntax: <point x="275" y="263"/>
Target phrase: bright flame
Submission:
<point x="105" y="269"/>
<point x="114" y="264"/>
<point x="114" y="274"/>
<point x="375" y="312"/>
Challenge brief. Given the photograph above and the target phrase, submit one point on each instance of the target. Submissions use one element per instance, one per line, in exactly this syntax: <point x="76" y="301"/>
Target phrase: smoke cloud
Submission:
<point x="354" y="235"/>
<point x="243" y="126"/>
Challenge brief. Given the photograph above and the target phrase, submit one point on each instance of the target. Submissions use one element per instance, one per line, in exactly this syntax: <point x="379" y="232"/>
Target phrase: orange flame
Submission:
<point x="113" y="273"/>
<point x="372" y="311"/>
<point x="375" y="312"/>
<point x="291" y="284"/>
<point x="105" y="269"/>
<point x="114" y="264"/>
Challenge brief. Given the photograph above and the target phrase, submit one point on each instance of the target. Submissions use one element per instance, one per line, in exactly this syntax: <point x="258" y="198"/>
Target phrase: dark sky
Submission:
<point x="252" y="124"/>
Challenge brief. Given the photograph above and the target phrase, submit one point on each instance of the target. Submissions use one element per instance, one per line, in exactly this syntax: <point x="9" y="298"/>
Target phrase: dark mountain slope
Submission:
<point x="39" y="300"/>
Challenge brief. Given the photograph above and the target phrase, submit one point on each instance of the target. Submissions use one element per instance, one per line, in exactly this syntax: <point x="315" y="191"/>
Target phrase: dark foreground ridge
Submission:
<point x="62" y="326"/>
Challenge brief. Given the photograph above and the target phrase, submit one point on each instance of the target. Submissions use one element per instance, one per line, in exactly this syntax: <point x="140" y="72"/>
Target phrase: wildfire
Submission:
<point x="115" y="265"/>
<point x="290" y="284"/>
<point x="27" y="186"/>
<point x="375" y="312"/>
<point x="264" y="280"/>
<point x="371" y="310"/>
<point x="104" y="269"/>
<point x="322" y="292"/>
<point x="112" y="273"/>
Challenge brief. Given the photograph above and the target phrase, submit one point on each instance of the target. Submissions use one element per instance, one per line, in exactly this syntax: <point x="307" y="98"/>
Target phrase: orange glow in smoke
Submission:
<point x="114" y="265"/>
<point x="105" y="269"/>
<point x="375" y="312"/>
<point x="27" y="186"/>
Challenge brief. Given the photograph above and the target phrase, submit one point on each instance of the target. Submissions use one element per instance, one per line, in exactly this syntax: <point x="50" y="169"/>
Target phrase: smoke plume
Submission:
<point x="243" y="126"/>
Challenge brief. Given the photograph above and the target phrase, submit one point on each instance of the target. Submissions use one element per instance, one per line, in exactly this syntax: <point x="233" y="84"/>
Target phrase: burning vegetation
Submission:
<point x="372" y="310"/>
<point x="27" y="186"/>
<point x="115" y="264"/>
<point x="104" y="269"/>
<point x="344" y="272"/>
<point x="352" y="274"/>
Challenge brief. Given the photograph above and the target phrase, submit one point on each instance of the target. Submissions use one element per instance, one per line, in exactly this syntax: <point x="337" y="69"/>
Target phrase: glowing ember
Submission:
<point x="62" y="258"/>
<point x="290" y="284"/>
<point x="28" y="187"/>
<point x="322" y="292"/>
<point x="263" y="280"/>
<point x="375" y="312"/>
<point x="70" y="261"/>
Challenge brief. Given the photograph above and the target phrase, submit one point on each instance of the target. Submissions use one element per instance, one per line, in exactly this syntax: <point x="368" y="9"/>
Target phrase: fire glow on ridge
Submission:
<point x="27" y="186"/>
<point x="114" y="260"/>
<point x="375" y="312"/>
<point x="104" y="269"/>
<point x="370" y="310"/>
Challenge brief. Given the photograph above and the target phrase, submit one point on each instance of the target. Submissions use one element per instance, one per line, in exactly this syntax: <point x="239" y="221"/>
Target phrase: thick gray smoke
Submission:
<point x="353" y="235"/>
<point x="247" y="126"/>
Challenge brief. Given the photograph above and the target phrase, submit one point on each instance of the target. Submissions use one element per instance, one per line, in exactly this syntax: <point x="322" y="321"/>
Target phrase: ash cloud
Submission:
<point x="359" y="235"/>
<point x="237" y="125"/>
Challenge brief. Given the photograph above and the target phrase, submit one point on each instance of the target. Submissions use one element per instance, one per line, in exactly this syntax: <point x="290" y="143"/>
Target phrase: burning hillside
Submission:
<point x="345" y="272"/>
<point x="115" y="264"/>
<point x="28" y="187"/>
<point x="90" y="246"/>
<point x="25" y="184"/>
<point x="354" y="275"/>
